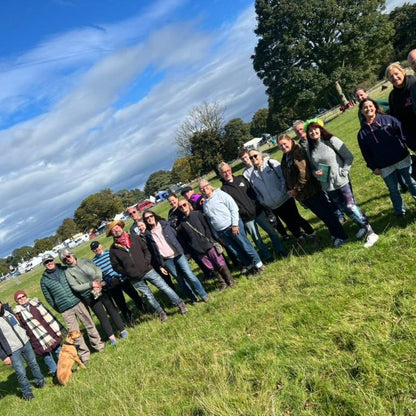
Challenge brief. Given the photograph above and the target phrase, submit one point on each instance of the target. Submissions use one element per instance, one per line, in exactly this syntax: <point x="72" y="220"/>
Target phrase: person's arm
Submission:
<point x="47" y="295"/>
<point x="77" y="284"/>
<point x="342" y="150"/>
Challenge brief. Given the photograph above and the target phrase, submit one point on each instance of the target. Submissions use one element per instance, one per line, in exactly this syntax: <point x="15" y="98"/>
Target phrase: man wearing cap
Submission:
<point x="14" y="347"/>
<point x="59" y="295"/>
<point x="130" y="257"/>
<point x="116" y="283"/>
<point x="194" y="199"/>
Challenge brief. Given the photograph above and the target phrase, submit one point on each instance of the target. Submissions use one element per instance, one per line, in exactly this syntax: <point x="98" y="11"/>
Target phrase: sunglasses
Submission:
<point x="47" y="261"/>
<point x="21" y="297"/>
<point x="68" y="256"/>
<point x="149" y="216"/>
<point x="132" y="212"/>
<point x="253" y="156"/>
<point x="182" y="205"/>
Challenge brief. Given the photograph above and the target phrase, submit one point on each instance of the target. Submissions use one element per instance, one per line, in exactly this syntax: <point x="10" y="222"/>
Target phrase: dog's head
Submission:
<point x="72" y="336"/>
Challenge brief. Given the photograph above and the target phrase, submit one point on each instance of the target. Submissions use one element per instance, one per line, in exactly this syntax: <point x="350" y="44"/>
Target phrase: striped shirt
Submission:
<point x="103" y="262"/>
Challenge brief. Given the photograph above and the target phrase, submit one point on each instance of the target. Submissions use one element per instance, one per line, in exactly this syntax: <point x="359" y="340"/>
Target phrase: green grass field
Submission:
<point x="324" y="332"/>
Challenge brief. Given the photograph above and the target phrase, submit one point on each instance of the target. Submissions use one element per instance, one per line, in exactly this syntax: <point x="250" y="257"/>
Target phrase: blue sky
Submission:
<point x="92" y="92"/>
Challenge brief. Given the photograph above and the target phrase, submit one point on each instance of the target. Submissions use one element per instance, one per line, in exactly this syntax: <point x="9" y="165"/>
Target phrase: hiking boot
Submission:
<point x="28" y="397"/>
<point x="182" y="307"/>
<point x="163" y="317"/>
<point x="41" y="384"/>
<point x="338" y="242"/>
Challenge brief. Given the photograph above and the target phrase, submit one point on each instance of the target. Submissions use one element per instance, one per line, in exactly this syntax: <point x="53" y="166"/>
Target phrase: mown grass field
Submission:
<point x="324" y="332"/>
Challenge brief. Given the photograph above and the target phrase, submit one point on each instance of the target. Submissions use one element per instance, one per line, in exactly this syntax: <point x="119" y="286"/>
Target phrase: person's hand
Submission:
<point x="319" y="173"/>
<point x="291" y="193"/>
<point x="377" y="171"/>
<point x="235" y="230"/>
<point x="7" y="361"/>
<point x="164" y="271"/>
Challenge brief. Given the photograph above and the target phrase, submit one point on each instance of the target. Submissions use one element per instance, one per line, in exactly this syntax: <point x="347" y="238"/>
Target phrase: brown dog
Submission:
<point x="67" y="357"/>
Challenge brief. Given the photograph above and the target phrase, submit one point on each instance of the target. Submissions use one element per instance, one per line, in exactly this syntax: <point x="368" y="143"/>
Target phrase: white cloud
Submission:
<point x="90" y="138"/>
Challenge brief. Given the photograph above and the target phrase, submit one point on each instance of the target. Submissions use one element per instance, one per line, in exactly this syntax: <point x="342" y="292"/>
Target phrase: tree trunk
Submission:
<point x="340" y="93"/>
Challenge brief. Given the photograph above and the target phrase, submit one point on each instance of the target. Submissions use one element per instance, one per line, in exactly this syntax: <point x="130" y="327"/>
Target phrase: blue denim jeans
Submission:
<point x="320" y="206"/>
<point x="263" y="221"/>
<point x="253" y="231"/>
<point x="392" y="184"/>
<point x="239" y="242"/>
<point x="28" y="354"/>
<point x="49" y="360"/>
<point x="152" y="277"/>
<point x="179" y="268"/>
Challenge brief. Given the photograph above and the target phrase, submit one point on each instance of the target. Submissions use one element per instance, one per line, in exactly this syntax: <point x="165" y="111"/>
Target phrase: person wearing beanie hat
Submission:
<point x="14" y="347"/>
<point x="43" y="329"/>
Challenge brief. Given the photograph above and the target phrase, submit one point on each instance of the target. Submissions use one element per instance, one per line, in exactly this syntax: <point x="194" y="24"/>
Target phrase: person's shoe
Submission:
<point x="205" y="299"/>
<point x="123" y="334"/>
<point x="371" y="240"/>
<point x="361" y="233"/>
<point x="113" y="342"/>
<point x="338" y="242"/>
<point x="163" y="317"/>
<point x="223" y="287"/>
<point x="403" y="188"/>
<point x="41" y="384"/>
<point x="182" y="307"/>
<point x="260" y="269"/>
<point x="341" y="219"/>
<point x="400" y="214"/>
<point x="286" y="237"/>
<point x="28" y="397"/>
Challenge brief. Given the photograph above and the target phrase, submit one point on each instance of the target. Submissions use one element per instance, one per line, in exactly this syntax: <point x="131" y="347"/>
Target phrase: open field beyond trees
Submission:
<point x="324" y="332"/>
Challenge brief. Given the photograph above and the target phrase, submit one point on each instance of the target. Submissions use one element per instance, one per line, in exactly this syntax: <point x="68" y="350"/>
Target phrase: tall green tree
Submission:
<point x="258" y="124"/>
<point x="67" y="229"/>
<point x="207" y="147"/>
<point x="309" y="51"/>
<point x="235" y="134"/>
<point x="404" y="21"/>
<point x="182" y="170"/>
<point x="102" y="206"/>
<point x="43" y="244"/>
<point x="158" y="181"/>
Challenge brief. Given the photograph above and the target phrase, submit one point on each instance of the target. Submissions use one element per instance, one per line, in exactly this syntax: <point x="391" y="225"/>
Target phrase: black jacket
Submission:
<point x="134" y="262"/>
<point x="245" y="197"/>
<point x="198" y="242"/>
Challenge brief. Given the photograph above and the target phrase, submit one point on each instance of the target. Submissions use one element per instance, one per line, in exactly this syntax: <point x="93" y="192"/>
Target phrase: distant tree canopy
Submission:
<point x="309" y="51"/>
<point x="130" y="197"/>
<point x="98" y="207"/>
<point x="258" y="124"/>
<point x="22" y="254"/>
<point x="236" y="133"/>
<point x="158" y="181"/>
<point x="182" y="170"/>
<point x="67" y="229"/>
<point x="404" y="21"/>
<point x="44" y="244"/>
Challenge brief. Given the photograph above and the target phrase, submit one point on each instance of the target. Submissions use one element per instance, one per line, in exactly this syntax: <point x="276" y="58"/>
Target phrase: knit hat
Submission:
<point x="312" y="120"/>
<point x="19" y="293"/>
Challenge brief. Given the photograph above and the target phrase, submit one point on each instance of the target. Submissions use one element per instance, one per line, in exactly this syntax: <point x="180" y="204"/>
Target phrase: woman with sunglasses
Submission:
<point x="43" y="329"/>
<point x="198" y="235"/>
<point x="269" y="184"/>
<point x="169" y="255"/>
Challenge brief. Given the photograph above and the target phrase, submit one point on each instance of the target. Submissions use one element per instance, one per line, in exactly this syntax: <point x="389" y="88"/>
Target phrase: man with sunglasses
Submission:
<point x="59" y="295"/>
<point x="136" y="216"/>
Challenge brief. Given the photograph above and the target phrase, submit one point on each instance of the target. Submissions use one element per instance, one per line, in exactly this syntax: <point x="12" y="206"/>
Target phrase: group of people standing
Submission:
<point x="203" y="226"/>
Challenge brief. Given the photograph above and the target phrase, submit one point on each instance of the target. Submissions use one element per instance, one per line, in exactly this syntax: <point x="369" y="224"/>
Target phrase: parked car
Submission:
<point x="145" y="205"/>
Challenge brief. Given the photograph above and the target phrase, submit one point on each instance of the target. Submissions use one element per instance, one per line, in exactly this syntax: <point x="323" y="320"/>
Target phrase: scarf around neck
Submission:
<point x="124" y="240"/>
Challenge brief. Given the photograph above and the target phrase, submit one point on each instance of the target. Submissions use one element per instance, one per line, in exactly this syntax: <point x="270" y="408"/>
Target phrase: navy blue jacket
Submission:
<point x="382" y="142"/>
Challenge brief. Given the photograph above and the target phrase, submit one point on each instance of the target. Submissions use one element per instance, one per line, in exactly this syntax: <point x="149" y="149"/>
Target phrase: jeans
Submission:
<point x="344" y="199"/>
<point x="27" y="353"/>
<point x="321" y="207"/>
<point x="179" y="268"/>
<point x="392" y="184"/>
<point x="289" y="213"/>
<point x="263" y="221"/>
<point x="152" y="277"/>
<point x="239" y="242"/>
<point x="253" y="231"/>
<point x="50" y="361"/>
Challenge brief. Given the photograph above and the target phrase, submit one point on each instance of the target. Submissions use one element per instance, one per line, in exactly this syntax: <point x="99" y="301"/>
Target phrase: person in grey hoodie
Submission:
<point x="268" y="182"/>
